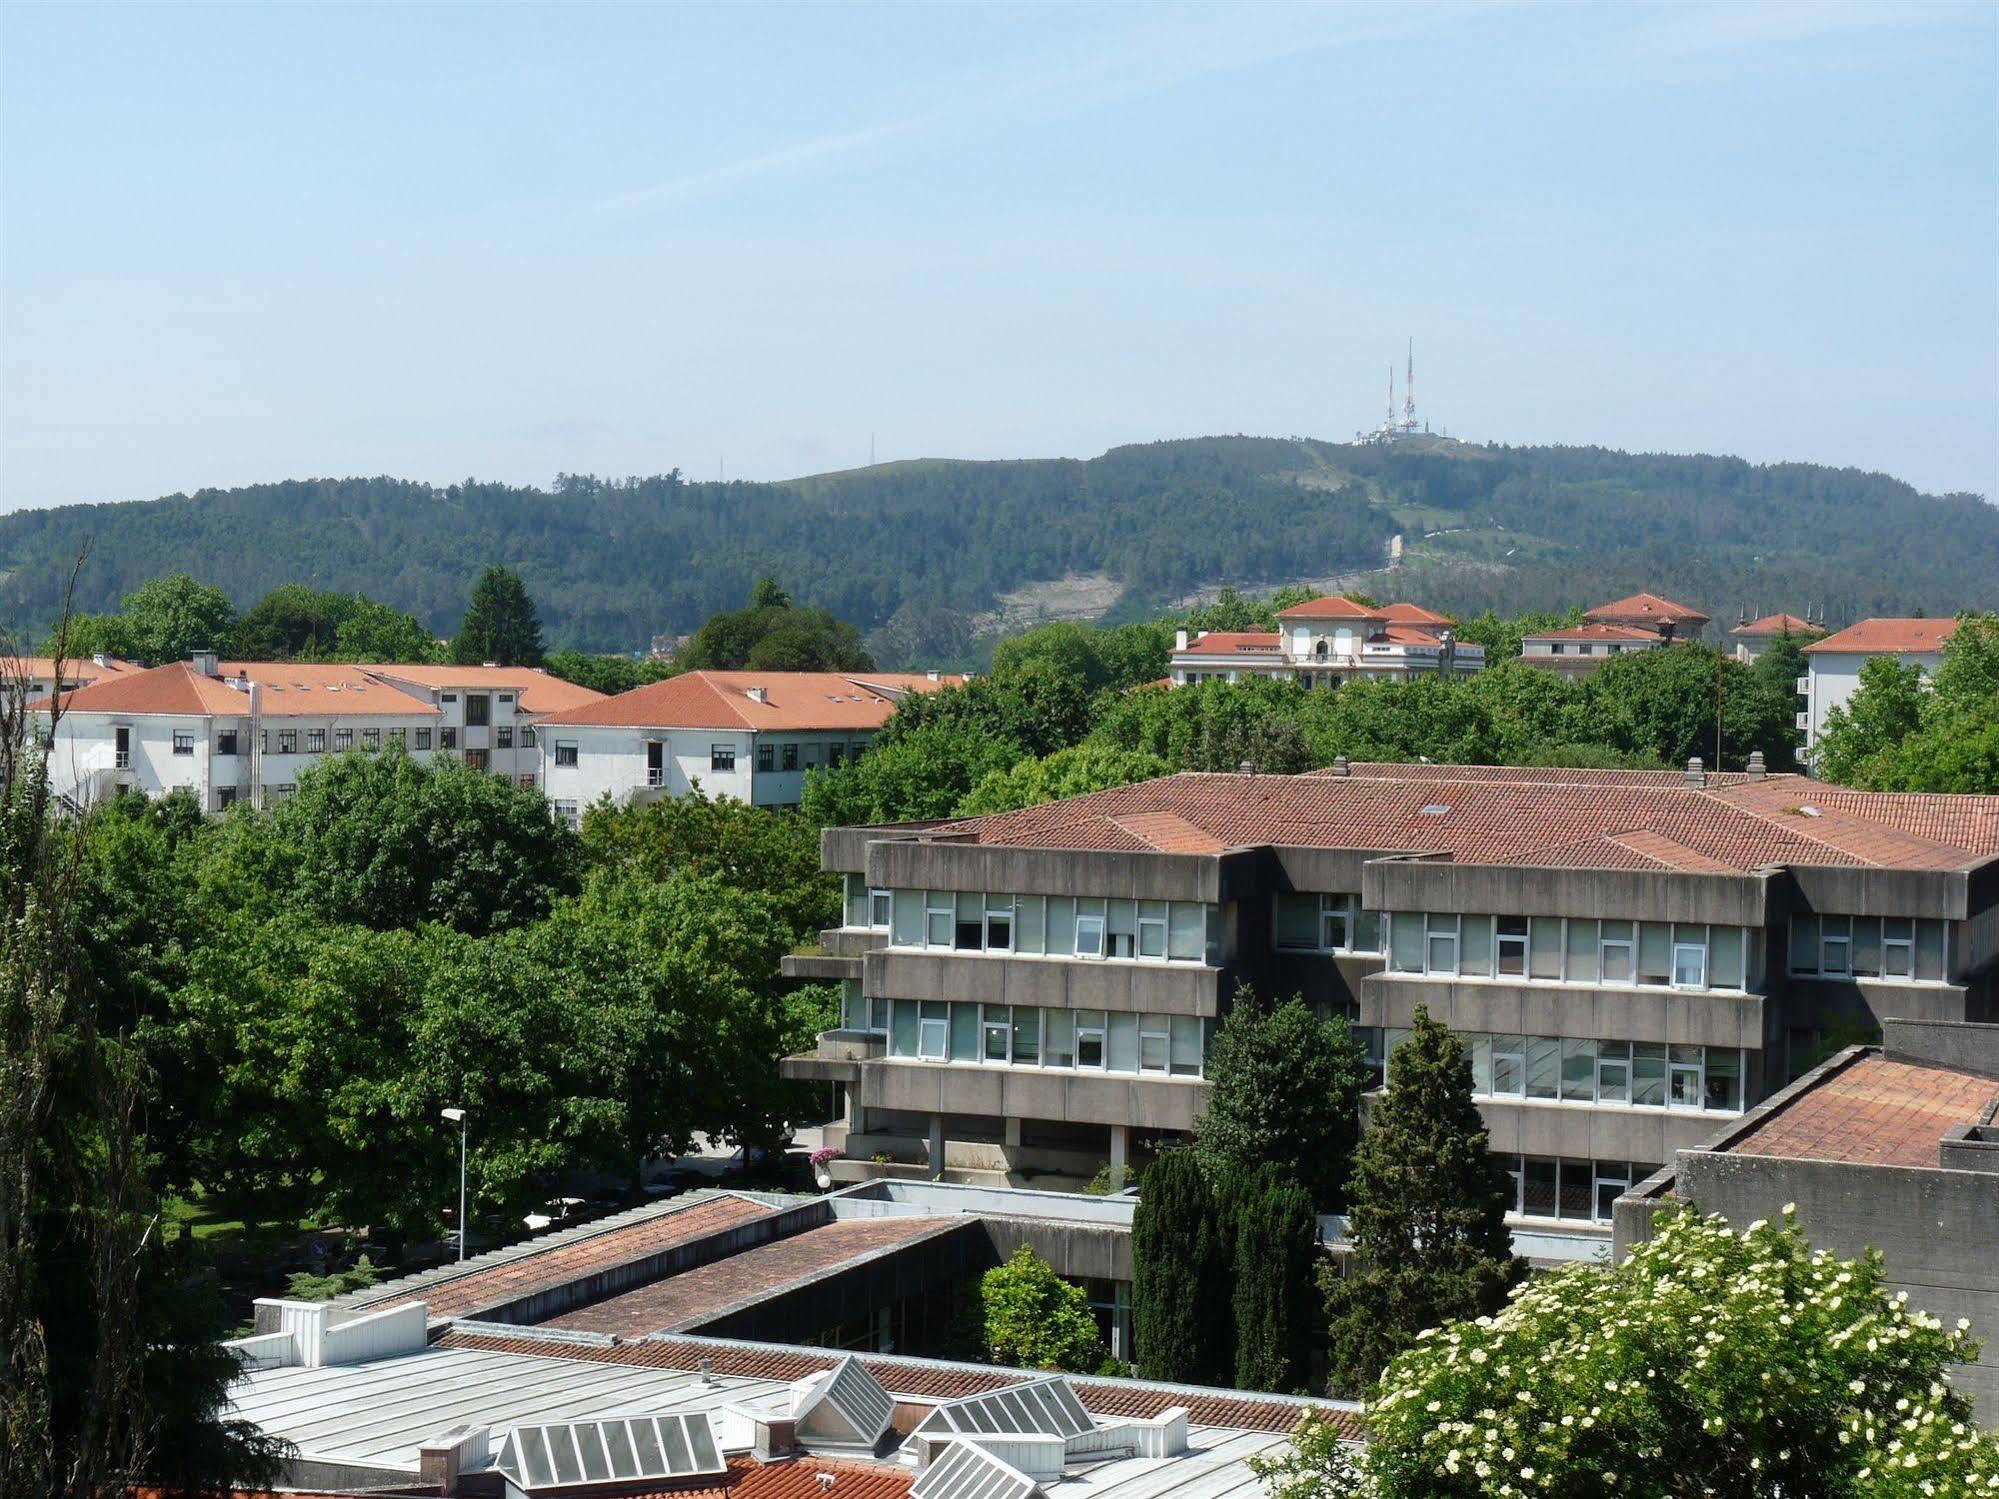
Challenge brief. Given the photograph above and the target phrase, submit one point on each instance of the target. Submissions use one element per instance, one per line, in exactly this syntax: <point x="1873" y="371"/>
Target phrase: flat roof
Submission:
<point x="1872" y="1112"/>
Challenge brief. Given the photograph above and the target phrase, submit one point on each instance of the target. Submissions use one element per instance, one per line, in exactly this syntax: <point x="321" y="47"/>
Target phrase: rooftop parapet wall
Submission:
<point x="1958" y="1045"/>
<point x="910" y="865"/>
<point x="1408" y="884"/>
<point x="1942" y="894"/>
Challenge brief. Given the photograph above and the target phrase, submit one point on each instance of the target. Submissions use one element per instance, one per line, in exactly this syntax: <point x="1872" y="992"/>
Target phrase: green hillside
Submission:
<point x="914" y="552"/>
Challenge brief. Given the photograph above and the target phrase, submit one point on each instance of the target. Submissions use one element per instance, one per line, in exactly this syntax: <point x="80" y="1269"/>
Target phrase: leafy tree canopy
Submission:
<point x="609" y="675"/>
<point x="773" y="635"/>
<point x="164" y="619"/>
<point x="1034" y="1319"/>
<point x="1068" y="772"/>
<point x="501" y="623"/>
<point x="1899" y="734"/>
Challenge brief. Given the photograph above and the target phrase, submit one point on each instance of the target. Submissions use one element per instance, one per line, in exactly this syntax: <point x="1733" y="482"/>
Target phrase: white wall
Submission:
<point x="1834" y="676"/>
<point x="612" y="761"/>
<point x="85" y="750"/>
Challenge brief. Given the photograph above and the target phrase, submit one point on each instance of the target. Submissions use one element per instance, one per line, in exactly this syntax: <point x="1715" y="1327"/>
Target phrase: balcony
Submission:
<point x="1804" y="719"/>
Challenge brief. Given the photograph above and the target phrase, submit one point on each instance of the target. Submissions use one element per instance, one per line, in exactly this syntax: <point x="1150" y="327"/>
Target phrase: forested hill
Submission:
<point x="914" y="553"/>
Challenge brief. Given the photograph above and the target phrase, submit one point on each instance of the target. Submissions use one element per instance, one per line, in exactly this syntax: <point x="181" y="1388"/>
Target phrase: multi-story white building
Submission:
<point x="1832" y="665"/>
<point x="230" y="731"/>
<point x="1328" y="641"/>
<point x="37" y="676"/>
<point x="1758" y="635"/>
<point x="1642" y="622"/>
<point x="753" y="735"/>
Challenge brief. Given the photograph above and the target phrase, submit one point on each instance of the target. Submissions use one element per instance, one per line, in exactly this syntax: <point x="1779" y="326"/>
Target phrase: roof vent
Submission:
<point x="825" y="1483"/>
<point x="1341" y="765"/>
<point x="206" y="663"/>
<point x="1756" y="767"/>
<point x="1245" y="768"/>
<point x="706" y="1369"/>
<point x="489" y="663"/>
<point x="1696" y="776"/>
<point x="934" y="676"/>
<point x="759" y="694"/>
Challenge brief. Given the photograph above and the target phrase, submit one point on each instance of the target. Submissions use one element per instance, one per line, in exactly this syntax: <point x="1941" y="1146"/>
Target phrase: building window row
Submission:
<point x="795" y="756"/>
<point x="1886" y="947"/>
<point x="1578" y="1191"/>
<point x="935" y="1030"/>
<point x="1060" y="926"/>
<point x="318" y="741"/>
<point x="1309" y="922"/>
<point x="1555" y="949"/>
<point x="1636" y="1074"/>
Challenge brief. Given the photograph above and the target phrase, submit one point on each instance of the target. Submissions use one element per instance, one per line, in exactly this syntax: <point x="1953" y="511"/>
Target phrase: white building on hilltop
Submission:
<point x="1327" y="641"/>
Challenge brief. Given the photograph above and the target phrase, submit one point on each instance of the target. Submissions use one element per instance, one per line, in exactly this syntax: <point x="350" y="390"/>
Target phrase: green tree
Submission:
<point x="1276" y="1302"/>
<point x="922" y="774"/>
<point x="1037" y="706"/>
<point x="292" y="622"/>
<point x="1885" y="710"/>
<point x="609" y="675"/>
<point x="1070" y="772"/>
<point x="501" y="623"/>
<point x="1180" y="1304"/>
<point x="1069" y="648"/>
<point x="1662" y="703"/>
<point x="1709" y="1362"/>
<point x="772" y="634"/>
<point x="163" y="620"/>
<point x="1899" y="734"/>
<point x="1034" y="1319"/>
<point x="1284" y="1087"/>
<point x="372" y="631"/>
<point x="1214" y="726"/>
<point x="1427" y="1212"/>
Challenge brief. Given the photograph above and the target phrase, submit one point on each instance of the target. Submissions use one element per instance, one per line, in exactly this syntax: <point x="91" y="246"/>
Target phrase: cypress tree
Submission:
<point x="1427" y="1213"/>
<point x="1179" y="1297"/>
<point x="501" y="623"/>
<point x="1276" y="1251"/>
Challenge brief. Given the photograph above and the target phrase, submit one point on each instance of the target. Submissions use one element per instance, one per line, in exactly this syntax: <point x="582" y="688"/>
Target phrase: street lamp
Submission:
<point x="457" y="1117"/>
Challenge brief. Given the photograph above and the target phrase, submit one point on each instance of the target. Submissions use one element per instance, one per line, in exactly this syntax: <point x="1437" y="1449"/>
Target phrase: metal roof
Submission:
<point x="966" y="1471"/>
<point x="564" y="1454"/>
<point x="1042" y="1405"/>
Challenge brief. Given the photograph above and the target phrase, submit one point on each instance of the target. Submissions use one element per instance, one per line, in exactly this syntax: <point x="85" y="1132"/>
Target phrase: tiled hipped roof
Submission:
<point x="757" y="700"/>
<point x="1549" y="818"/>
<point x="1874" y="1112"/>
<point x="1888" y="637"/>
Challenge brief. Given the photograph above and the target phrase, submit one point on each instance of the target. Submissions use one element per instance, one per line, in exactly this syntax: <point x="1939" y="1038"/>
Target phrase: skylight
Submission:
<point x="846" y="1404"/>
<point x="1436" y="809"/>
<point x="616" y="1449"/>
<point x="1041" y="1405"/>
<point x="966" y="1471"/>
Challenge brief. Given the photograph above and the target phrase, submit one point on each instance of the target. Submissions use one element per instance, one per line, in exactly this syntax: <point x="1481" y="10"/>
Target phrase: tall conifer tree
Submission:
<point x="501" y="623"/>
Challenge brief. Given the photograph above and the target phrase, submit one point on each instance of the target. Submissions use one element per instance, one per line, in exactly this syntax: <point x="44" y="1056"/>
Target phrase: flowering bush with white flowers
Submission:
<point x="1709" y="1363"/>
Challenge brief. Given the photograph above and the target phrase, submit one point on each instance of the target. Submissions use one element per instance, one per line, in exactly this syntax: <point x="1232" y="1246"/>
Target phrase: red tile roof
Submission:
<point x="1331" y="606"/>
<point x="1542" y="818"/>
<point x="1889" y="637"/>
<point x="537" y="691"/>
<point x="794" y="1478"/>
<point x="1595" y="632"/>
<point x="285" y="689"/>
<point x="1231" y="643"/>
<point x="1413" y="614"/>
<point x="792" y="700"/>
<point x="1872" y="1112"/>
<point x="1776" y="624"/>
<point x="83" y="669"/>
<point x="1645" y="608"/>
<point x="920" y="1379"/>
<point x="685" y="1301"/>
<point x="486" y="1286"/>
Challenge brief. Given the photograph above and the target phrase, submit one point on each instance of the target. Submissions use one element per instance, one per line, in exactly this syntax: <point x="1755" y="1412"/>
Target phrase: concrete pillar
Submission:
<point x="1120" y="1146"/>
<point x="1012" y="1133"/>
<point x="936" y="1147"/>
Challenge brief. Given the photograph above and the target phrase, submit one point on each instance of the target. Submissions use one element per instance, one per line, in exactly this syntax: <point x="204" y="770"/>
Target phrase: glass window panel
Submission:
<point x="1539" y="1188"/>
<point x="933" y="1040"/>
<point x="1724" y="1078"/>
<point x="1152" y="929"/>
<point x="853" y="1008"/>
<point x="1026" y="1034"/>
<point x="1683" y="1085"/>
<point x="1090" y="1038"/>
<point x="971" y="925"/>
<point x="1154" y="1038"/>
<point x="1655" y="952"/>
<point x="907" y="923"/>
<point x="1297" y="920"/>
<point x="1059" y="1038"/>
<point x="1122" y="928"/>
<point x="1648" y="1074"/>
<point x="1186" y="1045"/>
<point x="902" y="1029"/>
<point x="997" y="1035"/>
<point x="939" y="916"/>
<point x="1578" y="1196"/>
<point x="1547" y="949"/>
<point x="1406" y="942"/>
<point x="1613" y="1072"/>
<point x="1089" y="935"/>
<point x="964" y="1033"/>
<point x="1804" y="944"/>
<point x="1442" y="956"/>
<point x="1579" y="1071"/>
<point x="1581" y="954"/>
<point x="1334" y="923"/>
<point x="857" y="901"/>
<point x="1367" y="932"/>
<point x="1867" y="946"/>
<point x="1724" y="958"/>
<point x="1214" y="952"/>
<point x="1512" y="947"/>
<point x="1061" y="926"/>
<point x="1124" y="1043"/>
<point x="1480" y="1047"/>
<point x="1544" y="1067"/>
<point x="1689" y="966"/>
<point x="1187" y="937"/>
<point x="1930" y="950"/>
<point x="1475" y="948"/>
<point x="1509" y="1065"/>
<point x="1029" y="931"/>
<point x="1614" y="959"/>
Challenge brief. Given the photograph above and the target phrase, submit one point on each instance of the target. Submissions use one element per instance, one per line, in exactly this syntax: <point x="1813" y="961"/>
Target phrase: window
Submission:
<point x="1655" y="952"/>
<point x="1512" y="947"/>
<point x="836" y="753"/>
<point x="503" y="736"/>
<point x="906" y="917"/>
<point x="1122" y="927"/>
<point x="1091" y="1048"/>
<point x="1725" y="965"/>
<point x="447" y="739"/>
<point x="722" y="758"/>
<point x="766" y="757"/>
<point x="1689" y="966"/>
<point x="1026" y="1035"/>
<point x="1683" y="1078"/>
<point x="1441" y="954"/>
<point x="1186" y="938"/>
<point x="527" y="736"/>
<point x="997" y="1034"/>
<point x="225" y="798"/>
<point x="1297" y="922"/>
<point x="287" y="741"/>
<point x="476" y="759"/>
<point x="1648" y="1074"/>
<point x="880" y="904"/>
<point x="1062" y="926"/>
<point x="1059" y="1039"/>
<point x="933" y="1031"/>
<point x="969" y="930"/>
<point x="1898" y="947"/>
<point x="315" y="741"/>
<point x="1185" y="1046"/>
<point x="1154" y="1043"/>
<point x="1030" y="924"/>
<point x="1475" y="946"/>
<point x="398" y="735"/>
<point x="964" y="1032"/>
<point x="1544" y="1067"/>
<point x="423" y="739"/>
<point x="1722" y="1088"/>
<point x="1544" y="950"/>
<point x="565" y="754"/>
<point x="226" y="741"/>
<point x="343" y="739"/>
<point x="999" y="923"/>
<point x="371" y="739"/>
<point x="478" y="710"/>
<point x="1836" y="946"/>
<point x="1152" y="934"/>
<point x="1324" y="923"/>
<point x="1405" y="942"/>
<point x="1615" y="953"/>
<point x="940" y="911"/>
<point x="447" y="697"/>
<point x="183" y="741"/>
<point x="791" y="757"/>
<point x="566" y="810"/>
<point x="1090" y="932"/>
<point x="526" y="780"/>
<point x="263" y="739"/>
<point x="1509" y="1066"/>
<point x="1613" y="1072"/>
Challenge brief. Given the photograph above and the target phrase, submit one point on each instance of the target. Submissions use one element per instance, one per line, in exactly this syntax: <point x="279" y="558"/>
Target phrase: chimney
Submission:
<point x="934" y="675"/>
<point x="759" y="694"/>
<point x="1179" y="640"/>
<point x="1696" y="776"/>
<point x="1245" y="768"/>
<point x="772" y="1437"/>
<point x="206" y="663"/>
<point x="1341" y="764"/>
<point x="442" y="1459"/>
<point x="1756" y="769"/>
<point x="706" y="1368"/>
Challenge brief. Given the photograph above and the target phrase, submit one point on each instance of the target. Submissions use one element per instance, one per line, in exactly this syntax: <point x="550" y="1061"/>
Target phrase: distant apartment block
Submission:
<point x="1630" y="956"/>
<point x="752" y="735"/>
<point x="1326" y="642"/>
<point x="230" y="731"/>
<point x="1832" y="665"/>
<point x="1642" y="622"/>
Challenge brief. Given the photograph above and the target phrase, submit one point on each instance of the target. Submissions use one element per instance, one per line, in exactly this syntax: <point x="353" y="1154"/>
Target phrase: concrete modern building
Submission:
<point x="1892" y="1147"/>
<point x="1642" y="622"/>
<point x="1328" y="641"/>
<point x="1631" y="956"/>
<point x="753" y="735"/>
<point x="229" y="731"/>
<point x="1832" y="665"/>
<point x="1755" y="636"/>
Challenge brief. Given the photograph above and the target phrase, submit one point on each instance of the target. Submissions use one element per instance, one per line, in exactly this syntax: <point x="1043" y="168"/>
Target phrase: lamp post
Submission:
<point x="457" y="1117"/>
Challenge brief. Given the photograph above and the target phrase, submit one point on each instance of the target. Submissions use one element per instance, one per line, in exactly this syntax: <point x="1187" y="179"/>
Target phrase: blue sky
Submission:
<point x="240" y="244"/>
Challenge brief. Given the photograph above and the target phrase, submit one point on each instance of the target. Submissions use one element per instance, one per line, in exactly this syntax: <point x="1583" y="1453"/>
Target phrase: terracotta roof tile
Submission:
<point x="1170" y="833"/>
<point x="537" y="691"/>
<point x="1330" y="606"/>
<point x="1872" y="1112"/>
<point x="1413" y="614"/>
<point x="1595" y="632"/>
<point x="1776" y="624"/>
<point x="84" y="669"/>
<point x="1231" y="643"/>
<point x="791" y="700"/>
<point x="1646" y="608"/>
<point x="1888" y="637"/>
<point x="285" y="689"/>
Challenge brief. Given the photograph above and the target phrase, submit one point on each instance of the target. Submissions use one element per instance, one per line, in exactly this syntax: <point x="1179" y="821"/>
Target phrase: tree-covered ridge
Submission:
<point x="910" y="552"/>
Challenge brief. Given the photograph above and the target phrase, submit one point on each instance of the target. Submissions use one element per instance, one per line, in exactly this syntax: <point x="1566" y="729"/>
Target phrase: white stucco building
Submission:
<point x="1758" y="635"/>
<point x="1328" y="641"/>
<point x="230" y="731"/>
<point x="1832" y="665"/>
<point x="753" y="735"/>
<point x="1642" y="622"/>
